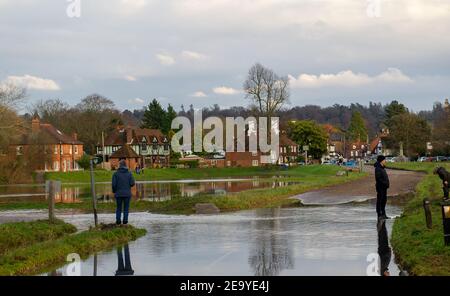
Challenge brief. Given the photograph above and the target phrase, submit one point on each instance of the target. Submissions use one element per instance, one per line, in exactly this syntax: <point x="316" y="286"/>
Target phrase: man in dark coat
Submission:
<point x="382" y="186"/>
<point x="122" y="182"/>
<point x="445" y="177"/>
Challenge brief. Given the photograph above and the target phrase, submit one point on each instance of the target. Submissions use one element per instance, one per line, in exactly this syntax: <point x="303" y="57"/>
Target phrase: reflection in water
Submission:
<point x="332" y="240"/>
<point x="143" y="191"/>
<point x="271" y="250"/>
<point x="384" y="250"/>
<point x="124" y="267"/>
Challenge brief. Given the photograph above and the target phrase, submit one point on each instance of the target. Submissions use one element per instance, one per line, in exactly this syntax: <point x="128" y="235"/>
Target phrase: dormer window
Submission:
<point x="19" y="150"/>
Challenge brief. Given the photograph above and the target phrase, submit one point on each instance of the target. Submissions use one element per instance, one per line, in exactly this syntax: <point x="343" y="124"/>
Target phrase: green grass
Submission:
<point x="21" y="234"/>
<point x="197" y="173"/>
<point x="311" y="177"/>
<point x="45" y="256"/>
<point x="418" y="249"/>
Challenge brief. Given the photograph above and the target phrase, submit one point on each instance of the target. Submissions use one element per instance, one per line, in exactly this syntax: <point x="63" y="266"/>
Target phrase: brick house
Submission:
<point x="151" y="146"/>
<point x="289" y="150"/>
<point x="48" y="149"/>
<point x="243" y="159"/>
<point x="128" y="154"/>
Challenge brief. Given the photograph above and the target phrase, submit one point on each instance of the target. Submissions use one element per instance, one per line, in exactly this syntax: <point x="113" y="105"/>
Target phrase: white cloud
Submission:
<point x="130" y="78"/>
<point x="128" y="7"/>
<point x="136" y="101"/>
<point x="347" y="79"/>
<point x="199" y="94"/>
<point x="223" y="90"/>
<point x="33" y="82"/>
<point x="165" y="59"/>
<point x="192" y="55"/>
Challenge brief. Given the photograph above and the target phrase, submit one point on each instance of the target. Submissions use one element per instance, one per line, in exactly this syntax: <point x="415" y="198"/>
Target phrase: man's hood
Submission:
<point x="123" y="169"/>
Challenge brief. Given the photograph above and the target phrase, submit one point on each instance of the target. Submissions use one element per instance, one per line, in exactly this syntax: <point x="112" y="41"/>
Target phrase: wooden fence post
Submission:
<point x="52" y="188"/>
<point x="428" y="217"/>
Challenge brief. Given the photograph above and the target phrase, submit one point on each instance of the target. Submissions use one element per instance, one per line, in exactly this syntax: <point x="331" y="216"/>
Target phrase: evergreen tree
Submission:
<point x="393" y="109"/>
<point x="357" y="130"/>
<point x="154" y="116"/>
<point x="171" y="114"/>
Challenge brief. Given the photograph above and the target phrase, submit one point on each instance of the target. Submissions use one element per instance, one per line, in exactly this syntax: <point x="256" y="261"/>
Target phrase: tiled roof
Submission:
<point x="286" y="141"/>
<point x="47" y="134"/>
<point x="119" y="136"/>
<point x="125" y="152"/>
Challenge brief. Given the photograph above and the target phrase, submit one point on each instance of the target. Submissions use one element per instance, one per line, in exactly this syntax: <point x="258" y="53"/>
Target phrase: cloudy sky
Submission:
<point x="199" y="51"/>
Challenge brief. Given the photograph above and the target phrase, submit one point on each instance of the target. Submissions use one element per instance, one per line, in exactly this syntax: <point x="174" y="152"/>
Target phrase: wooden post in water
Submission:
<point x="94" y="197"/>
<point x="428" y="217"/>
<point x="52" y="188"/>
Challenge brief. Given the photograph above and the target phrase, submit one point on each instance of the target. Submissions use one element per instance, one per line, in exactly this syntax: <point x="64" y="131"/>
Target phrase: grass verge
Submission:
<point x="418" y="249"/>
<point x="48" y="255"/>
<point x="21" y="234"/>
<point x="196" y="173"/>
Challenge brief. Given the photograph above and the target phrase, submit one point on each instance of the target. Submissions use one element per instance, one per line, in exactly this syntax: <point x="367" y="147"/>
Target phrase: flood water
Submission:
<point x="149" y="191"/>
<point x="328" y="240"/>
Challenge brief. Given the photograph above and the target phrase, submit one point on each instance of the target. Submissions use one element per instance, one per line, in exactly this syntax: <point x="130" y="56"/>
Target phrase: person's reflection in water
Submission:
<point x="124" y="268"/>
<point x="384" y="251"/>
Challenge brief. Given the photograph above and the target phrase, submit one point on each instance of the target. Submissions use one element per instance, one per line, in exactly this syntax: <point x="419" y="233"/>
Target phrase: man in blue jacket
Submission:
<point x="122" y="182"/>
<point x="383" y="184"/>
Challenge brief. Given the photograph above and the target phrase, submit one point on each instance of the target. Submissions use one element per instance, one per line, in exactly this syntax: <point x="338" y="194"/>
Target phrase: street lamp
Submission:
<point x="446" y="220"/>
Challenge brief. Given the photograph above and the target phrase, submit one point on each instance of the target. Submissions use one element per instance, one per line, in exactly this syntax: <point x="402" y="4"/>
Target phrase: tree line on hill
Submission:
<point x="267" y="94"/>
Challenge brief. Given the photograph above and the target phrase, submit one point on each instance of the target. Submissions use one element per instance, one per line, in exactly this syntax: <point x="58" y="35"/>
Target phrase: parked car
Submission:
<point x="390" y="159"/>
<point x="351" y="163"/>
<point x="441" y="158"/>
<point x="423" y="159"/>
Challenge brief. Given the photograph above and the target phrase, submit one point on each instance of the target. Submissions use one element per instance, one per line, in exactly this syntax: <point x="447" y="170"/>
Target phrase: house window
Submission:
<point x="70" y="150"/>
<point x="19" y="150"/>
<point x="56" y="166"/>
<point x="56" y="149"/>
<point x="255" y="163"/>
<point x="62" y="150"/>
<point x="228" y="163"/>
<point x="75" y="148"/>
<point x="254" y="153"/>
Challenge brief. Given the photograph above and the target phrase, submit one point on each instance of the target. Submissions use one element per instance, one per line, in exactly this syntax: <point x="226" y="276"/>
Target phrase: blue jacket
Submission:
<point x="122" y="182"/>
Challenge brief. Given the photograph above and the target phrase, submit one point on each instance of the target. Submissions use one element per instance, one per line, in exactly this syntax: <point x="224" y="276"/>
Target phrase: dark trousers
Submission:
<point x="122" y="202"/>
<point x="381" y="201"/>
<point x="446" y="189"/>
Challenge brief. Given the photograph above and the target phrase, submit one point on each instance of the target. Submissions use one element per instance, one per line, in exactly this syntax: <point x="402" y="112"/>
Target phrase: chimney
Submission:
<point x="75" y="136"/>
<point x="35" y="124"/>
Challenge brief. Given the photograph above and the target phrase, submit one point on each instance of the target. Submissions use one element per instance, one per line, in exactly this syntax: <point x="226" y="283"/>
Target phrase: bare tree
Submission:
<point x="51" y="111"/>
<point x="267" y="91"/>
<point x="11" y="98"/>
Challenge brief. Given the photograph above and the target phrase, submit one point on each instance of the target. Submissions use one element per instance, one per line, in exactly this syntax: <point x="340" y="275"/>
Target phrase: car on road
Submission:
<point x="423" y="159"/>
<point x="441" y="158"/>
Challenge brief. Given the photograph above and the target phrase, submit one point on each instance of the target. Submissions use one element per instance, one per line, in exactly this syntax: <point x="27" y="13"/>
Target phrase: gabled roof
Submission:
<point x="125" y="152"/>
<point x="133" y="135"/>
<point x="286" y="141"/>
<point x="47" y="134"/>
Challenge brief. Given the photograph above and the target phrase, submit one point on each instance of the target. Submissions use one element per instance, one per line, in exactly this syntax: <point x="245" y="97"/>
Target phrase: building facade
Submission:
<point x="151" y="146"/>
<point x="45" y="148"/>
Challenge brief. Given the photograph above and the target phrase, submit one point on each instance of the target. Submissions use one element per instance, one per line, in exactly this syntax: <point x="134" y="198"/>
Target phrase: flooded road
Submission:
<point x="148" y="191"/>
<point x="329" y="240"/>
